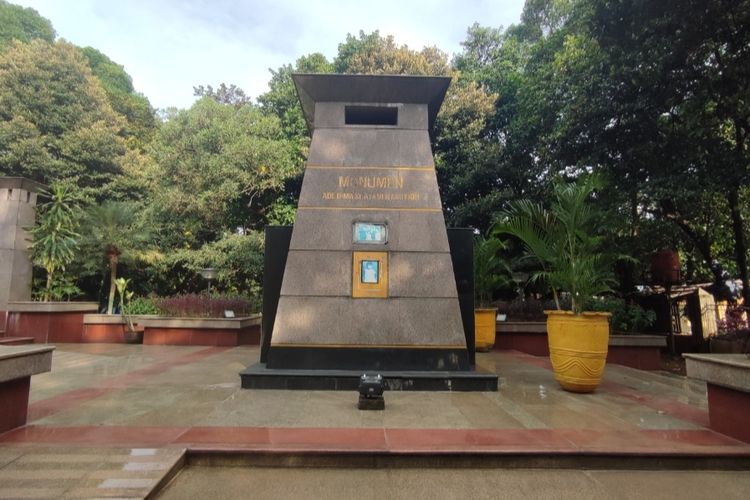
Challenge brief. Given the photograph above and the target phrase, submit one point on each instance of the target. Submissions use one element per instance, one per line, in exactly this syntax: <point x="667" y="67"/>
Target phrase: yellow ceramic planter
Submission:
<point x="578" y="346"/>
<point x="484" y="329"/>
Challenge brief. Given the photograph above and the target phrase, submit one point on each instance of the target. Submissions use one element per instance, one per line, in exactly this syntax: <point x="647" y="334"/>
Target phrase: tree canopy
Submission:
<point x="636" y="91"/>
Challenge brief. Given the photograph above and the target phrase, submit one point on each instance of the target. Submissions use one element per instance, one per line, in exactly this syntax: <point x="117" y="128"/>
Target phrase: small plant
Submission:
<point x="734" y="322"/>
<point x="61" y="288"/>
<point x="54" y="240"/>
<point x="203" y="305"/>
<point x="491" y="272"/>
<point x="125" y="297"/>
<point x="141" y="306"/>
<point x="626" y="318"/>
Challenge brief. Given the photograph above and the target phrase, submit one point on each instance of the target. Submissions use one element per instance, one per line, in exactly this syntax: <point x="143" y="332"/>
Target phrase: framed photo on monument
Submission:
<point x="369" y="272"/>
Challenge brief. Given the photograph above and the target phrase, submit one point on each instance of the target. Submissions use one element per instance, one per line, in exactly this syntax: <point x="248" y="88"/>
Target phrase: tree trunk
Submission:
<point x="740" y="245"/>
<point x="48" y="294"/>
<point x="112" y="277"/>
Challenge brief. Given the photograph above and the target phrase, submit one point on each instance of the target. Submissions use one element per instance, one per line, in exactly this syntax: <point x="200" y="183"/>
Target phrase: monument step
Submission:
<point x="258" y="376"/>
<point x="15" y="340"/>
<point x="470" y="457"/>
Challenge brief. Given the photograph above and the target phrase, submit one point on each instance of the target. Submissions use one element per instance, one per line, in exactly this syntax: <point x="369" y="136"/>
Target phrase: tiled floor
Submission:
<point x="109" y="398"/>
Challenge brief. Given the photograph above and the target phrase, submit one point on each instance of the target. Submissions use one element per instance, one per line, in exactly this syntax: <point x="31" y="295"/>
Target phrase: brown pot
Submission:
<point x="665" y="267"/>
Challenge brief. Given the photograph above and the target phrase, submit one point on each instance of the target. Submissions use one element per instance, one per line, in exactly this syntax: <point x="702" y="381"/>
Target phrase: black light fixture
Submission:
<point x="371" y="389"/>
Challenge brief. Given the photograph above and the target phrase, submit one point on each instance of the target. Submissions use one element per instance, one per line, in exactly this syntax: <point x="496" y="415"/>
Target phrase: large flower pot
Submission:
<point x="578" y="348"/>
<point x="484" y="329"/>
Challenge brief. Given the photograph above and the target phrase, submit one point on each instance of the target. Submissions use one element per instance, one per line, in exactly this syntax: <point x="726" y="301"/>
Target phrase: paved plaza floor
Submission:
<point x="114" y="420"/>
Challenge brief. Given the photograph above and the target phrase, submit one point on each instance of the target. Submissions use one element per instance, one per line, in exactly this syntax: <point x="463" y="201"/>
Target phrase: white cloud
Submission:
<point x="170" y="46"/>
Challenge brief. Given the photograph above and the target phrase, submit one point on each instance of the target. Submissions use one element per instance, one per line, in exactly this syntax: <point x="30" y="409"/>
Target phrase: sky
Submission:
<point x="170" y="46"/>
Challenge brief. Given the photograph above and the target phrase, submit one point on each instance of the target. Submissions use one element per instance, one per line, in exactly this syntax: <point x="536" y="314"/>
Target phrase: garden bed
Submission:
<point x="201" y="331"/>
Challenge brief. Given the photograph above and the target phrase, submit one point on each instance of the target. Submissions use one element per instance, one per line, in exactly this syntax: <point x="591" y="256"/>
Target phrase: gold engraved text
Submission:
<point x="372" y="181"/>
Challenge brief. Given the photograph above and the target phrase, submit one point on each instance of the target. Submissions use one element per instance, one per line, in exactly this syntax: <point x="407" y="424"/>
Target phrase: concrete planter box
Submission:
<point x="17" y="365"/>
<point x="48" y="322"/>
<point x="636" y="350"/>
<point x="161" y="330"/>
<point x="727" y="379"/>
<point x="525" y="336"/>
<point x="633" y="350"/>
<point x="110" y="328"/>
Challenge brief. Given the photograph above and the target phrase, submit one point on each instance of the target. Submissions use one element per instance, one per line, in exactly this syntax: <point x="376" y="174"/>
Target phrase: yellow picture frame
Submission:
<point x="370" y="275"/>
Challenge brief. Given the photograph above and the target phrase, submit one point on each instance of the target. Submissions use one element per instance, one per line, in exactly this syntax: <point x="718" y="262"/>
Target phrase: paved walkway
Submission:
<point x="113" y="401"/>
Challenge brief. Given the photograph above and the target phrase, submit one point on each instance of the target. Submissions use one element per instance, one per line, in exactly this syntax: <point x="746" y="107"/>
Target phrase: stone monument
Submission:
<point x="368" y="282"/>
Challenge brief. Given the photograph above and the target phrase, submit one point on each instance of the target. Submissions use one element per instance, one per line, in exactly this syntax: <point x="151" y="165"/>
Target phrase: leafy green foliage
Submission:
<point x="113" y="234"/>
<point x="232" y="95"/>
<point x="237" y="258"/>
<point x="55" y="121"/>
<point x="564" y="241"/>
<point x="118" y="86"/>
<point x="22" y="24"/>
<point x="215" y="164"/>
<point x="55" y="239"/>
<point x="491" y="271"/>
<point x="138" y="306"/>
<point x="626" y="318"/>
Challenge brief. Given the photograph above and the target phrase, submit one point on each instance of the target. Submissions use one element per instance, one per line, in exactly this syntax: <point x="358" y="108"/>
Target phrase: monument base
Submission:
<point x="258" y="376"/>
<point x="368" y="358"/>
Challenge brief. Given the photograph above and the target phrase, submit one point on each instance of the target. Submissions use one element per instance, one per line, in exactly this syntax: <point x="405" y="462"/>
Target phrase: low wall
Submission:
<point x="201" y="331"/>
<point x="48" y="322"/>
<point x="635" y="351"/>
<point x="17" y="365"/>
<point x="727" y="378"/>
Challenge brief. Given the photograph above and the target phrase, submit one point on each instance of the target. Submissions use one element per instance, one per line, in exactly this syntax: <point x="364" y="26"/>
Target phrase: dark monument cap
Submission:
<point x="327" y="87"/>
<point x="21" y="183"/>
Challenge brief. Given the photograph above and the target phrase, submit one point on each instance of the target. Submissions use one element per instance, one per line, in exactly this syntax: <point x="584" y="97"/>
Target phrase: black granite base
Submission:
<point x="367" y="358"/>
<point x="258" y="376"/>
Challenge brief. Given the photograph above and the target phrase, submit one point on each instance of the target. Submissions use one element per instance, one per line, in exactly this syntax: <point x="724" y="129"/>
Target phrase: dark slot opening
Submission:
<point x="370" y="115"/>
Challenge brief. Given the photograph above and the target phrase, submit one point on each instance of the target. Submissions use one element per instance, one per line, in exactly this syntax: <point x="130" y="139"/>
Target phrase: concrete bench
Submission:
<point x="727" y="379"/>
<point x="17" y="365"/>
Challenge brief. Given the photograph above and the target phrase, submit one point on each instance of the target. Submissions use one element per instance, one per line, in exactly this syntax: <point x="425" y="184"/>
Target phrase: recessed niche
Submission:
<point x="371" y="115"/>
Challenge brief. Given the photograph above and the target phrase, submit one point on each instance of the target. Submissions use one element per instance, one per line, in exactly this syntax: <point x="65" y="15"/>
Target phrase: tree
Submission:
<point x="113" y="231"/>
<point x="686" y="87"/>
<point x="214" y="166"/>
<point x="118" y="86"/>
<point x="232" y="95"/>
<point x="22" y="24"/>
<point x="55" y="120"/>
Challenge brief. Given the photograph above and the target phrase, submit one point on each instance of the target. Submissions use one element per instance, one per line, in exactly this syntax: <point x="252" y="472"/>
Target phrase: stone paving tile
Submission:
<point x="414" y="484"/>
<point x="63" y="472"/>
<point x="102" y="400"/>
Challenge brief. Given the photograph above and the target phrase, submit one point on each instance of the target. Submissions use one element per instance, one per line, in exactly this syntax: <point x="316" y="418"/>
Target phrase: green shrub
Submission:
<point x="142" y="306"/>
<point x="204" y="305"/>
<point x="627" y="318"/>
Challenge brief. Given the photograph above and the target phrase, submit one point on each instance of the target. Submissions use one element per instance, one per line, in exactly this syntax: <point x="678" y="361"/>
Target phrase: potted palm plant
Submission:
<point x="564" y="241"/>
<point x="490" y="273"/>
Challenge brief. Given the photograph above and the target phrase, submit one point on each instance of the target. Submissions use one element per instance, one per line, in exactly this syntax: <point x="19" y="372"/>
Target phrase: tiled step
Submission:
<point x="16" y="340"/>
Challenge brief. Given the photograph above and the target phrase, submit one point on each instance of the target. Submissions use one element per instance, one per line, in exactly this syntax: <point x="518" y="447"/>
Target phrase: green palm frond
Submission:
<point x="563" y="240"/>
